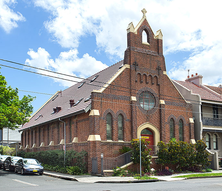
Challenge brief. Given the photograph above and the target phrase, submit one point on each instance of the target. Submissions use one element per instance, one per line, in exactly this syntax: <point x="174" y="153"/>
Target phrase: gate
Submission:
<point x="94" y="165"/>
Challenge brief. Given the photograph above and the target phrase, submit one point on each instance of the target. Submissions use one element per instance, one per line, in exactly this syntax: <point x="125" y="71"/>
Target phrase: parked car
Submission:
<point x="9" y="162"/>
<point x="29" y="166"/>
<point x="2" y="159"/>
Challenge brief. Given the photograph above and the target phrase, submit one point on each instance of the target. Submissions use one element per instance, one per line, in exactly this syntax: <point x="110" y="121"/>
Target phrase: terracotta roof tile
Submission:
<point x="205" y="92"/>
<point x="216" y="89"/>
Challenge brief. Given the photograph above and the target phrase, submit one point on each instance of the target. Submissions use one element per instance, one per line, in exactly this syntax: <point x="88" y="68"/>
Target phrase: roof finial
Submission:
<point x="144" y="12"/>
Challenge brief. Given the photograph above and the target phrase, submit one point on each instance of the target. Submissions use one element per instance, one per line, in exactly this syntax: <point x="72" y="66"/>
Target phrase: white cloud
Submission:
<point x="184" y="24"/>
<point x="67" y="63"/>
<point x="208" y="63"/>
<point x="187" y="25"/>
<point x="8" y="18"/>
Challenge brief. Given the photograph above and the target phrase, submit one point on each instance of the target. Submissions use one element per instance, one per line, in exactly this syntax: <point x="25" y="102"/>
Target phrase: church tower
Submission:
<point x="144" y="54"/>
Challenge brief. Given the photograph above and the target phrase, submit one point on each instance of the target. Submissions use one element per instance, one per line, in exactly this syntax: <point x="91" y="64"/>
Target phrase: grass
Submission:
<point x="199" y="175"/>
<point x="144" y="177"/>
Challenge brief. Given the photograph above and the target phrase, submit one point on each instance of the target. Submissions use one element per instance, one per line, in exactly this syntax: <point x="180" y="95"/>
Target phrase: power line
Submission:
<point x="164" y="96"/>
<point x="59" y="73"/>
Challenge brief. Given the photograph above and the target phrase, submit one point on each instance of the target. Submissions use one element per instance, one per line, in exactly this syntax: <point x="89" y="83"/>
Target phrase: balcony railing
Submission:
<point x="211" y="121"/>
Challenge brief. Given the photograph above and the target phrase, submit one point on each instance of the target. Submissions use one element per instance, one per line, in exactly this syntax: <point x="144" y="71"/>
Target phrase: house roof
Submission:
<point x="205" y="92"/>
<point x="58" y="106"/>
<point x="216" y="89"/>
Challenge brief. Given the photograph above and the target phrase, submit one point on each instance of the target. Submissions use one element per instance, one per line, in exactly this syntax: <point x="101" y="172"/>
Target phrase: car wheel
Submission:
<point x="22" y="171"/>
<point x="15" y="170"/>
<point x="4" y="167"/>
<point x="40" y="173"/>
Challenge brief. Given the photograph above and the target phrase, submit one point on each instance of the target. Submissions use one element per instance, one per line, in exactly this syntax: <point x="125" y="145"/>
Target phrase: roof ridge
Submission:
<point x="211" y="91"/>
<point x="88" y="79"/>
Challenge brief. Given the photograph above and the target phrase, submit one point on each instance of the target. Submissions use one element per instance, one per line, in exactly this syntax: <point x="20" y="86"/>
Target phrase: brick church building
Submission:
<point x="107" y="110"/>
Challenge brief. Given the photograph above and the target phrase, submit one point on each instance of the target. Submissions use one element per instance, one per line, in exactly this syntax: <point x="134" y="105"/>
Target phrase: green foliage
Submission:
<point x="124" y="149"/>
<point x="5" y="150"/>
<point x="183" y="154"/>
<point x="144" y="177"/>
<point x="208" y="170"/>
<point x="202" y="154"/>
<point x="119" y="171"/>
<point x="1" y="150"/>
<point x="13" y="112"/>
<point x="145" y="153"/>
<point x="74" y="170"/>
<point x="54" y="159"/>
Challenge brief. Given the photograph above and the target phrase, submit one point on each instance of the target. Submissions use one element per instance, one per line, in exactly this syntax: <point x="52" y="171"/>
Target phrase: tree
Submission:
<point x="13" y="112"/>
<point x="145" y="153"/>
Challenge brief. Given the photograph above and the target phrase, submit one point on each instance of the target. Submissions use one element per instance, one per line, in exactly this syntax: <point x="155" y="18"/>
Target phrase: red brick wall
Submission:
<point x="116" y="99"/>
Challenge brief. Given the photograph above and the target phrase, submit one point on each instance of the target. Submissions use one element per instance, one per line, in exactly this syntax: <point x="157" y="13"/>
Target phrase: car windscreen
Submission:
<point x="3" y="157"/>
<point x="30" y="162"/>
<point x="15" y="159"/>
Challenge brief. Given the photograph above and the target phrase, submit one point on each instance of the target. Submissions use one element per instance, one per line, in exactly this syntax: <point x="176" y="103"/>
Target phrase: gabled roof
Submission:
<point x="205" y="92"/>
<point x="59" y="105"/>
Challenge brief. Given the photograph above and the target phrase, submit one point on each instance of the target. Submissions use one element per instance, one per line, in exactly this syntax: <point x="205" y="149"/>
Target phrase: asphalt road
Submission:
<point x="15" y="182"/>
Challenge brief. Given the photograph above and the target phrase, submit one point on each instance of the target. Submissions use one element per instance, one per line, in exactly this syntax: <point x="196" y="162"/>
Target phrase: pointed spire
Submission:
<point x="159" y="35"/>
<point x="130" y="28"/>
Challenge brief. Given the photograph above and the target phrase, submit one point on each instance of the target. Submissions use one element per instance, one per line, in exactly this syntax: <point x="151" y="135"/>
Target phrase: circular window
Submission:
<point x="147" y="100"/>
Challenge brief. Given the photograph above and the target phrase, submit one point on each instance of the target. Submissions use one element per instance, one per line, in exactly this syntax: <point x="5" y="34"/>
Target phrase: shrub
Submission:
<point x="124" y="149"/>
<point x="74" y="170"/>
<point x="6" y="150"/>
<point x="185" y="156"/>
<point x="55" y="159"/>
<point x="208" y="170"/>
<point x="119" y="171"/>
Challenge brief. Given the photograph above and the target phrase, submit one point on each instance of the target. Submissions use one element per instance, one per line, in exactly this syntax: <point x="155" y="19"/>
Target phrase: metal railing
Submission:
<point x="212" y="121"/>
<point x="110" y="163"/>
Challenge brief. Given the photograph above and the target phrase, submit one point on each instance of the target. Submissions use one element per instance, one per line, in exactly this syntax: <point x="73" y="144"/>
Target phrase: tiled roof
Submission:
<point x="205" y="92"/>
<point x="216" y="89"/>
<point x="76" y="93"/>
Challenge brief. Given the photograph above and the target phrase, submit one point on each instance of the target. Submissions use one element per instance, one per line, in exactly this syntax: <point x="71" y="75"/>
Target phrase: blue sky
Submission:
<point x="83" y="37"/>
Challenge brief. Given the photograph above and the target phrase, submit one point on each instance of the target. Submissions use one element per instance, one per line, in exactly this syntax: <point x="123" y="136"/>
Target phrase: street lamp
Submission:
<point x="102" y="164"/>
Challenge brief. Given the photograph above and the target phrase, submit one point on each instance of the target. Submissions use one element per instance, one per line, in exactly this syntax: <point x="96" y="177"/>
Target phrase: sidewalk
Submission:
<point x="114" y="179"/>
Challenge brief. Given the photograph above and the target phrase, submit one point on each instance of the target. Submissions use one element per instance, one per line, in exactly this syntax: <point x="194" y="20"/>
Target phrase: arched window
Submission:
<point x="215" y="142"/>
<point x="144" y="37"/>
<point x="120" y="127"/>
<point x="172" y="129"/>
<point x="109" y="126"/>
<point x="208" y="141"/>
<point x="181" y="130"/>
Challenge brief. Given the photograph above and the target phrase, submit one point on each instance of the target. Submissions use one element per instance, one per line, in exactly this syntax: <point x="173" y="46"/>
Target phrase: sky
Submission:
<point x="82" y="37"/>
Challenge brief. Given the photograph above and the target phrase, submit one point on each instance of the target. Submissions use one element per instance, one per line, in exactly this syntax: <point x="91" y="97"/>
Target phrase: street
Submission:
<point x="10" y="181"/>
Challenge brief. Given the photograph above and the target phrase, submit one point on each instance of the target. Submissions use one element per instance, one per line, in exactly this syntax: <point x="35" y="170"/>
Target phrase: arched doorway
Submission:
<point x="149" y="135"/>
<point x="153" y="129"/>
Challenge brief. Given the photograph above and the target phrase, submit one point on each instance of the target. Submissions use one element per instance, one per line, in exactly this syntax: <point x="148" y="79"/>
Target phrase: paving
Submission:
<point x="114" y="179"/>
